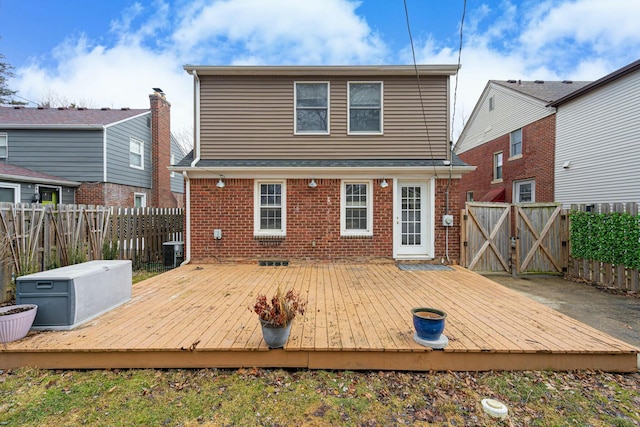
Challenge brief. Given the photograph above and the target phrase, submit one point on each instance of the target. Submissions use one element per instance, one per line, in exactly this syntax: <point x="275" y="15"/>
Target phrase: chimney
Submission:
<point x="161" y="195"/>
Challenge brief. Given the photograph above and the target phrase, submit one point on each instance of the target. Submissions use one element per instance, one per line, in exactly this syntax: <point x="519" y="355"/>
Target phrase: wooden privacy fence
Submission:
<point x="35" y="237"/>
<point x="536" y="241"/>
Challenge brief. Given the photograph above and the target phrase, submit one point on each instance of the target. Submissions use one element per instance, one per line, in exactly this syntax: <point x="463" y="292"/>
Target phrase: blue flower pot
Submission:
<point x="428" y="322"/>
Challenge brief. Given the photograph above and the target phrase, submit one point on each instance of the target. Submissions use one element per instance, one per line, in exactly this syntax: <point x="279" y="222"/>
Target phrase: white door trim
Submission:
<point x="426" y="249"/>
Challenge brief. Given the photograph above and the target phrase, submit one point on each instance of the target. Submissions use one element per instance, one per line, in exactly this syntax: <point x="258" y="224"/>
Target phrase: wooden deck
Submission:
<point x="358" y="318"/>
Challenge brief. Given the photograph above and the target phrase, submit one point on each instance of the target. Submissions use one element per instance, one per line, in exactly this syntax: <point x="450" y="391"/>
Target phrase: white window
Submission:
<point x="469" y="196"/>
<point x="270" y="208"/>
<point x="139" y="200"/>
<point x="356" y="211"/>
<point x="524" y="191"/>
<point x="4" y="145"/>
<point x="172" y="162"/>
<point x="497" y="166"/>
<point x="9" y="192"/>
<point x="365" y="107"/>
<point x="492" y="103"/>
<point x="516" y="143"/>
<point x="312" y="107"/>
<point x="136" y="153"/>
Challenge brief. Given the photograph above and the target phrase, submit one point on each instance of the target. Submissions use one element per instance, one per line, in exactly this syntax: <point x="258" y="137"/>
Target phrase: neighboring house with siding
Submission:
<point x="22" y="185"/>
<point x="119" y="157"/>
<point x="510" y="137"/>
<point x="597" y="144"/>
<point x="327" y="162"/>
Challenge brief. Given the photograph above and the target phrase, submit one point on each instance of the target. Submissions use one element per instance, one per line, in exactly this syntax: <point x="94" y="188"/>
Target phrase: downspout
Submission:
<point x="196" y="159"/>
<point x="187" y="204"/>
<point x="104" y="154"/>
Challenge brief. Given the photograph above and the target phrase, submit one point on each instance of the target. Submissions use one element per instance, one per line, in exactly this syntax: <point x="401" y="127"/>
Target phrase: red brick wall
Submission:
<point x="161" y="195"/>
<point x="313" y="223"/>
<point x="537" y="162"/>
<point x="108" y="194"/>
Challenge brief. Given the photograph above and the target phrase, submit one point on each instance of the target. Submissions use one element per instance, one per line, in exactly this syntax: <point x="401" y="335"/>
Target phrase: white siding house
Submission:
<point x="597" y="142"/>
<point x="505" y="106"/>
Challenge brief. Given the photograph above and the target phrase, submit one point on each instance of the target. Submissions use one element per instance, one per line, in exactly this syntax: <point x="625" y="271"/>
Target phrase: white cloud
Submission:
<point x="282" y="31"/>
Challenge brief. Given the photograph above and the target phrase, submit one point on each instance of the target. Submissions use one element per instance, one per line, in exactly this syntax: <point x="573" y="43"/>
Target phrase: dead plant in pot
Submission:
<point x="276" y="314"/>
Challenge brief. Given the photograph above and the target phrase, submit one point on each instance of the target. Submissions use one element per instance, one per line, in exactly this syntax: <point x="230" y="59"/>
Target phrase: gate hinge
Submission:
<point x="465" y="216"/>
<point x="465" y="244"/>
<point x="564" y="243"/>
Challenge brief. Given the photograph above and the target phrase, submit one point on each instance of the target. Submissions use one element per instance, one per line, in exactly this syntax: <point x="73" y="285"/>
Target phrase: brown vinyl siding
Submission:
<point x="249" y="117"/>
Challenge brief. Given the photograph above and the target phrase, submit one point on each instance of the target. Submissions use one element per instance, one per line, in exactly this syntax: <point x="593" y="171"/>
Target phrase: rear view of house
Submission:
<point x="321" y="163"/>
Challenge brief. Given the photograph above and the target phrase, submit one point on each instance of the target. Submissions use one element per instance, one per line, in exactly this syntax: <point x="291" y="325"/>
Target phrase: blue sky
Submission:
<point x="111" y="53"/>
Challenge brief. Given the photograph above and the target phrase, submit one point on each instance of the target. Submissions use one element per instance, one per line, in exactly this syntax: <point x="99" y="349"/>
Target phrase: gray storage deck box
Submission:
<point x="69" y="296"/>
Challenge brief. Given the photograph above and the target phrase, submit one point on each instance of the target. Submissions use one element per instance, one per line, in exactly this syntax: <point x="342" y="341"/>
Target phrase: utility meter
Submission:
<point x="447" y="220"/>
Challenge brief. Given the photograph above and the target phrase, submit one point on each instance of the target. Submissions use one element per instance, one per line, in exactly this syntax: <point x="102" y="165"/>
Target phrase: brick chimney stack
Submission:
<point x="161" y="195"/>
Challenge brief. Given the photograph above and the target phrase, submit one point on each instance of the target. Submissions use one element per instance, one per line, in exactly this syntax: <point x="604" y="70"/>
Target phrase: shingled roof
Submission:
<point x="546" y="91"/>
<point x="17" y="173"/>
<point x="23" y="117"/>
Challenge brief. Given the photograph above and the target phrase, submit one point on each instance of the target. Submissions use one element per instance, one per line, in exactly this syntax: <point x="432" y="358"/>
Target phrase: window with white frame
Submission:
<point x="516" y="143"/>
<point x="172" y="162"/>
<point x="356" y="211"/>
<point x="270" y="214"/>
<point x="497" y="166"/>
<point x="469" y="196"/>
<point x="365" y="107"/>
<point x="136" y="153"/>
<point x="312" y="107"/>
<point x="9" y="192"/>
<point x="4" y="145"/>
<point x="524" y="191"/>
<point x="492" y="103"/>
<point x="139" y="200"/>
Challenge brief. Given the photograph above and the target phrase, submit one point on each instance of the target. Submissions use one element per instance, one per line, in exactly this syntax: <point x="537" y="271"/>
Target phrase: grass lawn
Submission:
<point x="32" y="397"/>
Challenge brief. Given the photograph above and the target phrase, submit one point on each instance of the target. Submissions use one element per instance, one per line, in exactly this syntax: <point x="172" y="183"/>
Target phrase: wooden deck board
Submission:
<point x="358" y="317"/>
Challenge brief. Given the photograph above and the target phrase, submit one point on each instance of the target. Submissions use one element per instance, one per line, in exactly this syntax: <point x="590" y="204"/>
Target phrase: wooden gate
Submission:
<point x="541" y="238"/>
<point x="485" y="234"/>
<point x="535" y="243"/>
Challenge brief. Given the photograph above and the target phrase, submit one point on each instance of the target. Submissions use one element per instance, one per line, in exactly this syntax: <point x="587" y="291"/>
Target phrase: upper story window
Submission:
<point x="365" y="107"/>
<point x="4" y="145"/>
<point x="172" y="161"/>
<point x="136" y="153"/>
<point x="497" y="166"/>
<point x="270" y="208"/>
<point x="312" y="107"/>
<point x="492" y="103"/>
<point x="516" y="143"/>
<point x="469" y="196"/>
<point x="356" y="211"/>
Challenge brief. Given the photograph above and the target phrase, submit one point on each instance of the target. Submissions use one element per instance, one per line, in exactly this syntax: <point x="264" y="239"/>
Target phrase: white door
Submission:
<point x="412" y="237"/>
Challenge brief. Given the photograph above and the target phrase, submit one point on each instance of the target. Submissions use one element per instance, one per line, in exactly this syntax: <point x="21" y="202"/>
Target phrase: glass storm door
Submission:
<point x="412" y="235"/>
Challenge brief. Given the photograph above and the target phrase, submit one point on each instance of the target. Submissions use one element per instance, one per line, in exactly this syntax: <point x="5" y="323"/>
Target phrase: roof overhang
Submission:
<point x="323" y="172"/>
<point x="334" y="70"/>
<point x="37" y="180"/>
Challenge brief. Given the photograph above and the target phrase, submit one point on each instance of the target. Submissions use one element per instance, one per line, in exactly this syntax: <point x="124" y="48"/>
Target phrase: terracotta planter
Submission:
<point x="16" y="326"/>
<point x="275" y="336"/>
<point x="428" y="322"/>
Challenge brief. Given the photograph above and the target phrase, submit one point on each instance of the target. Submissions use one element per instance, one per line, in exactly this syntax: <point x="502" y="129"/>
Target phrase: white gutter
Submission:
<point x="187" y="206"/>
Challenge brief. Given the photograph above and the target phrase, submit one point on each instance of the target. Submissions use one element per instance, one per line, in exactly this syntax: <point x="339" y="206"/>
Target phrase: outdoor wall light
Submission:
<point x="384" y="183"/>
<point x="220" y="183"/>
<point x="313" y="184"/>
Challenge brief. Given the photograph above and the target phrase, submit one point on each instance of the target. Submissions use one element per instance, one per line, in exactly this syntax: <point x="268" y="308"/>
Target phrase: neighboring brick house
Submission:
<point x="510" y="137"/>
<point x="321" y="163"/>
<point x="110" y="157"/>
